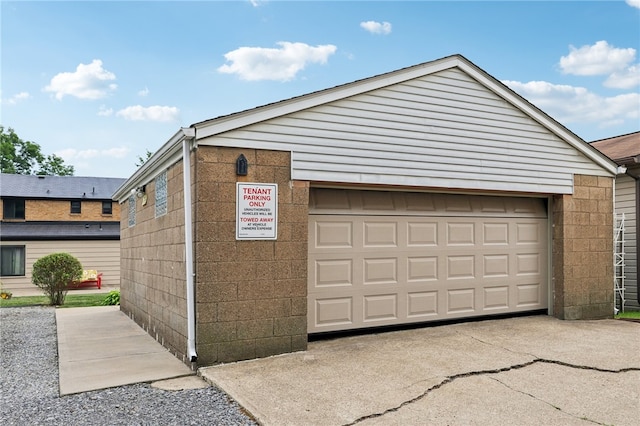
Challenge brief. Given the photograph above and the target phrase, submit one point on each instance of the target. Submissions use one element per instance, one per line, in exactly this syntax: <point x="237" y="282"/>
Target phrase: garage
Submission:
<point x="379" y="258"/>
<point x="428" y="193"/>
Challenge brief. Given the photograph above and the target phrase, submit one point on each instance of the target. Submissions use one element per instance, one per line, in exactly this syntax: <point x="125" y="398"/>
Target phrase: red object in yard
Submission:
<point x="89" y="278"/>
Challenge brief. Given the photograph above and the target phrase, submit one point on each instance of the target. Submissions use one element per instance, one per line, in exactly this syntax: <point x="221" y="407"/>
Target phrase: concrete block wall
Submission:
<point x="251" y="295"/>
<point x="583" y="250"/>
<point x="153" y="283"/>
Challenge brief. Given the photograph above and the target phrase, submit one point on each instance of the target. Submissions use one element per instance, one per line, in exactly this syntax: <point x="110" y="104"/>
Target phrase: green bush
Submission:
<point x="113" y="298"/>
<point x="53" y="274"/>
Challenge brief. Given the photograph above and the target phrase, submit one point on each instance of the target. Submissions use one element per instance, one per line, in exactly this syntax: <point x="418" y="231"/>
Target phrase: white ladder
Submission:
<point x="618" y="263"/>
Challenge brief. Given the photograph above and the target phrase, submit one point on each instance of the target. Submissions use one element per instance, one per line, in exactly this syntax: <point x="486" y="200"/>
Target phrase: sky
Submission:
<point x="101" y="83"/>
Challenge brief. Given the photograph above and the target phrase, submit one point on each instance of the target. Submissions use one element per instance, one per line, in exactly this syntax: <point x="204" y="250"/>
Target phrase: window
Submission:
<point x="12" y="261"/>
<point x="107" y="207"/>
<point x="13" y="208"/>
<point x="76" y="207"/>
<point x="132" y="210"/>
<point x="161" y="194"/>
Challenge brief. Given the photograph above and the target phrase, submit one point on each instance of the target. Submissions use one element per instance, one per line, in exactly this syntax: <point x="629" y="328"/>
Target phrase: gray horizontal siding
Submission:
<point x="444" y="130"/>
<point x="626" y="203"/>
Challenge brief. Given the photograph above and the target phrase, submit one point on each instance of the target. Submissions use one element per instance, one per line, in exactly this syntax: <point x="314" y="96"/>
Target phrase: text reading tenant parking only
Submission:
<point x="256" y="216"/>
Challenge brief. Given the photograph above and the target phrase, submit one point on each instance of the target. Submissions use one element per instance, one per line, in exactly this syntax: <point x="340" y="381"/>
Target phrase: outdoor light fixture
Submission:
<point x="140" y="192"/>
<point x="241" y="165"/>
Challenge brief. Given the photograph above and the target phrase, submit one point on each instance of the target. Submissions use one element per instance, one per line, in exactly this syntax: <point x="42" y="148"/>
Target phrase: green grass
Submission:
<point x="71" y="301"/>
<point x="629" y="314"/>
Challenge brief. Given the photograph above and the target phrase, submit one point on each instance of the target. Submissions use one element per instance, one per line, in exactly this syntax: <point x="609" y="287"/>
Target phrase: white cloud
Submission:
<point x="599" y="59"/>
<point x="18" y="97"/>
<point x="70" y="154"/>
<point x="569" y="104"/>
<point x="105" y="112"/>
<point x="89" y="81"/>
<point x="376" y="27"/>
<point x="144" y="92"/>
<point x="625" y="79"/>
<point x="634" y="3"/>
<point x="259" y="63"/>
<point x="116" y="152"/>
<point x="152" y="113"/>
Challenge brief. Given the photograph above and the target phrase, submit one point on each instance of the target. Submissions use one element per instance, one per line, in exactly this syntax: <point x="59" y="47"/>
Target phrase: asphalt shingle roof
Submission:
<point x="58" y="187"/>
<point x="12" y="231"/>
<point x="619" y="148"/>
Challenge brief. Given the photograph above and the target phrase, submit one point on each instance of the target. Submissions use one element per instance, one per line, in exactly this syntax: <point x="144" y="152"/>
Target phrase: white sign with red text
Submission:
<point x="256" y="211"/>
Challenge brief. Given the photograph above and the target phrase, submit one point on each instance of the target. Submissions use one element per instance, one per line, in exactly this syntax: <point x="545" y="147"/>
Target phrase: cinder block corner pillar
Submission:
<point x="251" y="294"/>
<point x="583" y="250"/>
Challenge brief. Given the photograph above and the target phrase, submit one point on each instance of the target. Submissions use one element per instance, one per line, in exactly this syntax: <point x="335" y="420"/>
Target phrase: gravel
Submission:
<point x="29" y="390"/>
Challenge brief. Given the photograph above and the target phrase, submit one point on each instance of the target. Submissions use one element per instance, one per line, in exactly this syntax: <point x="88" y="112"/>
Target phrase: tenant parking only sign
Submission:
<point x="256" y="211"/>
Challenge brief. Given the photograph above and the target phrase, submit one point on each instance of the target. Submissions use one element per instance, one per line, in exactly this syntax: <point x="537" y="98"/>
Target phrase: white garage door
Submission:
<point x="385" y="258"/>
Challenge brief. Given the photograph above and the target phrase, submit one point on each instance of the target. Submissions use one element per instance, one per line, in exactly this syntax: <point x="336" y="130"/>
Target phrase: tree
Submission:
<point x="54" y="273"/>
<point x="26" y="157"/>
<point x="141" y="160"/>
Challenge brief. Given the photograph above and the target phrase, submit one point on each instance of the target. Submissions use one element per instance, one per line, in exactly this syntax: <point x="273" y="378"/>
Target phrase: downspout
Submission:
<point x="189" y="134"/>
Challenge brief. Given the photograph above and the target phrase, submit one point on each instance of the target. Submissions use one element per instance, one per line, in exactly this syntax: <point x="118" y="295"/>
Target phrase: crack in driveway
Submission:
<point x="544" y="402"/>
<point x="454" y="377"/>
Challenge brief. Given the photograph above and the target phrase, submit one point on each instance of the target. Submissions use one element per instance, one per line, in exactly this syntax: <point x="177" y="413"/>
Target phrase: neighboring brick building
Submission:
<point x="429" y="193"/>
<point x="47" y="214"/>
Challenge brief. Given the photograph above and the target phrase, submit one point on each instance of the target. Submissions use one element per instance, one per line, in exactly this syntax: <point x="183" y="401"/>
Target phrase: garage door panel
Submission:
<point x="333" y="312"/>
<point x="457" y="203"/>
<point x="422" y="304"/>
<point x="422" y="269"/>
<point x="461" y="234"/>
<point x="531" y="206"/>
<point x="379" y="201"/>
<point x="334" y="199"/>
<point x="461" y="300"/>
<point x="495" y="233"/>
<point x="330" y="234"/>
<point x="422" y="234"/>
<point x="496" y="298"/>
<point x="380" y="234"/>
<point x="427" y="257"/>
<point x="493" y="205"/>
<point x="528" y="264"/>
<point x="528" y="233"/>
<point x="419" y="202"/>
<point x="530" y="295"/>
<point x="333" y="272"/>
<point x="461" y="267"/>
<point x="495" y="265"/>
<point x="382" y="307"/>
<point x="380" y="271"/>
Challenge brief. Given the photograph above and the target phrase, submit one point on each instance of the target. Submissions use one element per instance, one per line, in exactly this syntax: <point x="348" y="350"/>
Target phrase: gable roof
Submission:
<point x="170" y="152"/>
<point x="623" y="149"/>
<point x="58" y="187"/>
<point x="244" y="118"/>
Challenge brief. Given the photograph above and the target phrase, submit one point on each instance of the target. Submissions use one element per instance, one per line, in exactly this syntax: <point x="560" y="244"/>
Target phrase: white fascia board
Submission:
<point x="168" y="154"/>
<point x="540" y="117"/>
<point x="235" y="121"/>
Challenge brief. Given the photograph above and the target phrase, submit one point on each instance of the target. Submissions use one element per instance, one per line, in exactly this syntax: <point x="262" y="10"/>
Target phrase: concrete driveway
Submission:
<point x="528" y="370"/>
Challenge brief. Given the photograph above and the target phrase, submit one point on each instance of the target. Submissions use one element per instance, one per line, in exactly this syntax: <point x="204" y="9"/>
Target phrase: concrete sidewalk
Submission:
<point x="526" y="371"/>
<point x="100" y="347"/>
